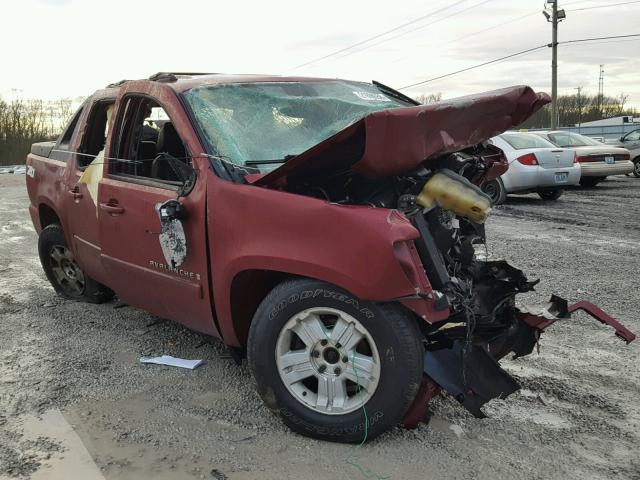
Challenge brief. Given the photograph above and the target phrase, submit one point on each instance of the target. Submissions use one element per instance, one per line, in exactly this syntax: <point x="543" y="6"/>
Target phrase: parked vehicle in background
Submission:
<point x="535" y="165"/>
<point x="597" y="160"/>
<point x="631" y="141"/>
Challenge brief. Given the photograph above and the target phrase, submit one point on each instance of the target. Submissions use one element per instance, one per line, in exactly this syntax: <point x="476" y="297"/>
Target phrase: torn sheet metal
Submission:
<point x="470" y="374"/>
<point x="558" y="308"/>
<point x="91" y="177"/>
<point x="394" y="141"/>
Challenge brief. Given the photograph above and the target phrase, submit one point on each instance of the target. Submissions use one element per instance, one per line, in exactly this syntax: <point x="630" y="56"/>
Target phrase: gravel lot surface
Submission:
<point x="577" y="416"/>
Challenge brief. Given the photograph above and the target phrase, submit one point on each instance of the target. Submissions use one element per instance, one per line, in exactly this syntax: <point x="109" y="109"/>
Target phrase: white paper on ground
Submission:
<point x="172" y="361"/>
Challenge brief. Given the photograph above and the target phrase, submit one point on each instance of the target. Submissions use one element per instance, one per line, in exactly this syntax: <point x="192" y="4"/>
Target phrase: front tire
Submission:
<point x="496" y="191"/>
<point x="62" y="271"/>
<point x="321" y="358"/>
<point x="553" y="194"/>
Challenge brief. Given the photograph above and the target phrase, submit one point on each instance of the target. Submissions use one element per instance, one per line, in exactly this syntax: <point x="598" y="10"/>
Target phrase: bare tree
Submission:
<point x="23" y="122"/>
<point x="429" y="98"/>
<point x="586" y="108"/>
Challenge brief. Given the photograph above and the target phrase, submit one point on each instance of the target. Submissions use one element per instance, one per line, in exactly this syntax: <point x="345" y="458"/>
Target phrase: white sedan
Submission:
<point x="535" y="165"/>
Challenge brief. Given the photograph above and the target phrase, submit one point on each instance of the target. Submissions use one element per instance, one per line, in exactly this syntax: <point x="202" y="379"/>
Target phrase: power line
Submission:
<point x="598" y="42"/>
<point x="475" y="66"/>
<point x="416" y="20"/>
<point x="468" y="35"/>
<point x="601" y="38"/>
<point x="346" y="50"/>
<point x="515" y="55"/>
<point x="401" y="34"/>
<point x="603" y="6"/>
<point x="507" y="22"/>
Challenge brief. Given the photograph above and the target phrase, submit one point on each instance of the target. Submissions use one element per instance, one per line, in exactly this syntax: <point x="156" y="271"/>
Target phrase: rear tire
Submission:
<point x="62" y="271"/>
<point x="553" y="194"/>
<point x="496" y="191"/>
<point x="591" y="181"/>
<point x="306" y="376"/>
<point x="636" y="167"/>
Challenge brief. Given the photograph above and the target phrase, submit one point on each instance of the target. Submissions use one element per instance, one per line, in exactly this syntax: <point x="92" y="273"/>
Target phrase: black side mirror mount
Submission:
<point x="184" y="172"/>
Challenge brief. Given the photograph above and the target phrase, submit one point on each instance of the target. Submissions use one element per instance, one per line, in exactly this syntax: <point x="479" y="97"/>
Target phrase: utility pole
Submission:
<point x="579" y="89"/>
<point x="554" y="66"/>
<point x="601" y="90"/>
<point x="556" y="17"/>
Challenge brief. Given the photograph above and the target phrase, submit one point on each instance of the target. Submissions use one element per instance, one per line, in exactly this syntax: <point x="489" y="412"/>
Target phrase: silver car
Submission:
<point x="597" y="160"/>
<point x="535" y="165"/>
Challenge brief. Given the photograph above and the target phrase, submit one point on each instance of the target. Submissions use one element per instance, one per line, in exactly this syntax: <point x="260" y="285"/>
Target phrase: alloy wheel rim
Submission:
<point x="636" y="167"/>
<point x="66" y="271"/>
<point x="328" y="361"/>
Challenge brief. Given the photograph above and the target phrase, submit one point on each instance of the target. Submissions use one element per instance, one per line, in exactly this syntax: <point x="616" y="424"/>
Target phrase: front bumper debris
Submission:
<point x="471" y="373"/>
<point x="558" y="309"/>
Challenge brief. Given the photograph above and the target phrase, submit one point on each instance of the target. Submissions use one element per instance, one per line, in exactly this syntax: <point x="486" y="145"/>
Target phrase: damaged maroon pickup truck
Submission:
<point x="327" y="229"/>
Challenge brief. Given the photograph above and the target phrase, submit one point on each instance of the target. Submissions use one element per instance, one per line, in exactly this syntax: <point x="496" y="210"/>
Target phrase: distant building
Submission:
<point x="609" y="122"/>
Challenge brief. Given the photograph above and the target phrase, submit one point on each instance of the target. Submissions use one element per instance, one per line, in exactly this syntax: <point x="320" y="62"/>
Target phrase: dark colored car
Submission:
<point x="326" y="229"/>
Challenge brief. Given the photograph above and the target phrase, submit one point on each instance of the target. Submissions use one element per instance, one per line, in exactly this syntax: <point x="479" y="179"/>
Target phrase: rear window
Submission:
<point x="520" y="141"/>
<point x="568" y="139"/>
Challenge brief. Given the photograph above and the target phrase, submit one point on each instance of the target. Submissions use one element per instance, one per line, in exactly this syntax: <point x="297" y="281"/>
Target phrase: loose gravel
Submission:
<point x="577" y="416"/>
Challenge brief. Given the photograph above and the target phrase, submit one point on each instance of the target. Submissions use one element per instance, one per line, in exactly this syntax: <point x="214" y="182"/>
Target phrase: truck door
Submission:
<point x="81" y="199"/>
<point x="141" y="173"/>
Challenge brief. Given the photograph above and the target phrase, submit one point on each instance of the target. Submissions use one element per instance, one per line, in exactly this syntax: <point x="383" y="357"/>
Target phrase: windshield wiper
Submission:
<point x="286" y="158"/>
<point x="394" y="93"/>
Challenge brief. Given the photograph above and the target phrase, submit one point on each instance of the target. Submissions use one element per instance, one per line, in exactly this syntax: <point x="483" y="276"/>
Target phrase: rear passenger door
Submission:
<point x="81" y="197"/>
<point x="137" y="180"/>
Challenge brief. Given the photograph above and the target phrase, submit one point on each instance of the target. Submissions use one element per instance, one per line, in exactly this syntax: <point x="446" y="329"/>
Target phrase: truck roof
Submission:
<point x="181" y="81"/>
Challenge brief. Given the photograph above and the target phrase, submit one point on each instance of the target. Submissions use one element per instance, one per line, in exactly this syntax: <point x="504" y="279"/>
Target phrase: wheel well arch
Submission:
<point x="47" y="215"/>
<point x="248" y="289"/>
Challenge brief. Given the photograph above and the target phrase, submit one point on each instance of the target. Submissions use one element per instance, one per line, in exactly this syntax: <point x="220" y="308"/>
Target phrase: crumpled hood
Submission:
<point x="397" y="140"/>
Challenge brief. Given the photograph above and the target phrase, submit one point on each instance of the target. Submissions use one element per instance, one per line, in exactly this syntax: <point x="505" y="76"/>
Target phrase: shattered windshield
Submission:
<point x="263" y="124"/>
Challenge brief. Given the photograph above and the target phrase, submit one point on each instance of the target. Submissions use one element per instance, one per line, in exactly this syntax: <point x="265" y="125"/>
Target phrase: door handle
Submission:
<point x="112" y="208"/>
<point x="75" y="193"/>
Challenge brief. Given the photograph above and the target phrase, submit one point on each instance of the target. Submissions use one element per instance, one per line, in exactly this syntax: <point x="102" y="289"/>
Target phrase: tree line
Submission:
<point x="580" y="108"/>
<point x="23" y="122"/>
<point x="572" y="109"/>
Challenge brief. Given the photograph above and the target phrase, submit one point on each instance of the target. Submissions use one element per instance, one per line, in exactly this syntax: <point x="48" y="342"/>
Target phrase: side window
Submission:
<point x="95" y="135"/>
<point x="61" y="151"/>
<point x="64" y="141"/>
<point x="147" y="143"/>
<point x="632" y="136"/>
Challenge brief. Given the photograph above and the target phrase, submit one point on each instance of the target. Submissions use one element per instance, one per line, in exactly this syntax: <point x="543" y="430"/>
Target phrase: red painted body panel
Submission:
<point x="234" y="228"/>
<point x="349" y="246"/>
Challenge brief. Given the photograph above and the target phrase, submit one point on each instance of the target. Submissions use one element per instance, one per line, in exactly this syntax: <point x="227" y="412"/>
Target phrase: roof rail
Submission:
<point x="117" y="84"/>
<point x="173" y="76"/>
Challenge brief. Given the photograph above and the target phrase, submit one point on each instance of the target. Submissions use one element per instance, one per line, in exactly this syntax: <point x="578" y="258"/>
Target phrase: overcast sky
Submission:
<point x="69" y="48"/>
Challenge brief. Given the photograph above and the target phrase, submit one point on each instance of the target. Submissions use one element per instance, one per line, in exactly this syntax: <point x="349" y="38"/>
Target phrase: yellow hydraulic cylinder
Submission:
<point x="457" y="194"/>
